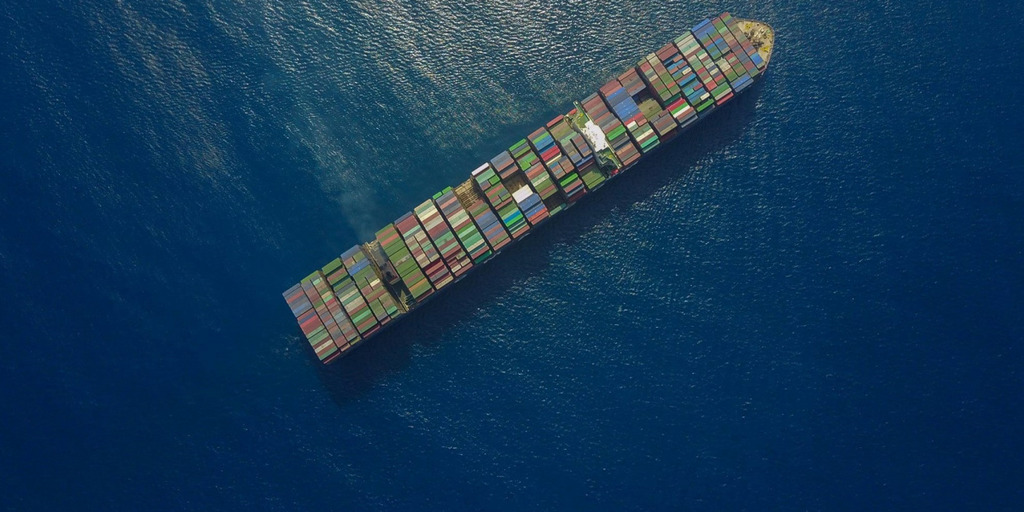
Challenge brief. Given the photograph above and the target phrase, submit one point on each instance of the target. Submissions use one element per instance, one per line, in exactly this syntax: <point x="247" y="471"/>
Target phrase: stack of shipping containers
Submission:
<point x="660" y="119"/>
<point x="531" y="205"/>
<point x="708" y="37"/>
<point x="626" y="109"/>
<point x="336" y="320"/>
<point x="558" y="164"/>
<point x="423" y="250"/>
<point x="693" y="98"/>
<point x="745" y="45"/>
<point x="311" y="325"/>
<point x="312" y="285"/>
<point x="659" y="80"/>
<point x="696" y="90"/>
<point x="732" y="67"/>
<point x="415" y="282"/>
<point x="538" y="176"/>
<point x="613" y="130"/>
<point x="576" y="148"/>
<point x="451" y="250"/>
<point x="470" y="237"/>
<point x="364" y="274"/>
<point x="489" y="224"/>
<point x="704" y="65"/>
<point x="500" y="199"/>
<point x="504" y="165"/>
<point x="741" y="69"/>
<point x="351" y="299"/>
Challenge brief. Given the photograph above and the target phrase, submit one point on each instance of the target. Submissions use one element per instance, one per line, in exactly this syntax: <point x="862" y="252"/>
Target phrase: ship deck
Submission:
<point x="761" y="35"/>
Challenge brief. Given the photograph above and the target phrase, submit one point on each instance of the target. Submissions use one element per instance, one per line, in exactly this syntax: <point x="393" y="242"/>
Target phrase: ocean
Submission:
<point x="813" y="301"/>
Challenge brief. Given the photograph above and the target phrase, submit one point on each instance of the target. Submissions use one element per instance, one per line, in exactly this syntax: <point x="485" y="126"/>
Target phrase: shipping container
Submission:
<point x="462" y="224"/>
<point x="331" y="330"/>
<point x="424" y="251"/>
<point x="487" y="221"/>
<point x="444" y="239"/>
<point x="618" y="138"/>
<point x="347" y="298"/>
<point x="504" y="164"/>
<point x="501" y="200"/>
<point x="364" y="274"/>
<point x="558" y="164"/>
<point x="311" y="325"/>
<point x="530" y="203"/>
<point x="417" y="286"/>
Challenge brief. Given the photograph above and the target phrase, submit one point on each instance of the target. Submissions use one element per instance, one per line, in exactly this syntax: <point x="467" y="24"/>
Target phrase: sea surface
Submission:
<point x="812" y="302"/>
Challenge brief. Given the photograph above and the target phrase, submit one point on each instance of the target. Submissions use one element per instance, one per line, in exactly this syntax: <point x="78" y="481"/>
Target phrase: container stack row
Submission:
<point x="352" y="301"/>
<point x="717" y="49"/>
<point x="735" y="62"/>
<point x="410" y="273"/>
<point x="463" y="226"/>
<point x="327" y="307"/>
<point x="542" y="183"/>
<point x="693" y="98"/>
<point x="501" y="199"/>
<point x="523" y="155"/>
<point x="613" y="130"/>
<point x="491" y="227"/>
<point x="533" y="168"/>
<point x="745" y="44"/>
<point x="311" y="325"/>
<point x="504" y="165"/>
<point x="704" y="65"/>
<point x="424" y="251"/>
<point x="691" y="74"/>
<point x="576" y="148"/>
<point x="558" y="164"/>
<point x="530" y="203"/>
<point x="626" y="109"/>
<point x="660" y="119"/>
<point x="452" y="252"/>
<point x="659" y="80"/>
<point x="364" y="274"/>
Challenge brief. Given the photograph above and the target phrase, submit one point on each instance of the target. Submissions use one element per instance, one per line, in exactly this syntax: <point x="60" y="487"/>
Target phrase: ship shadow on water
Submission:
<point x="392" y="350"/>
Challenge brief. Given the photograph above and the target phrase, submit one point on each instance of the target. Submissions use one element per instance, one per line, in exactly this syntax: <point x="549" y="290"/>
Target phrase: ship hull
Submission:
<point x="448" y="237"/>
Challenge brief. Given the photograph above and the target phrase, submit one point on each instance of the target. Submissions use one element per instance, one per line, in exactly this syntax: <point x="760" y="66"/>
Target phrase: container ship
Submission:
<point x="429" y="249"/>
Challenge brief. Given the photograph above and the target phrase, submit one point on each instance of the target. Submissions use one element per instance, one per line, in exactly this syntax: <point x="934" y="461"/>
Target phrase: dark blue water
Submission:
<point x="814" y="302"/>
